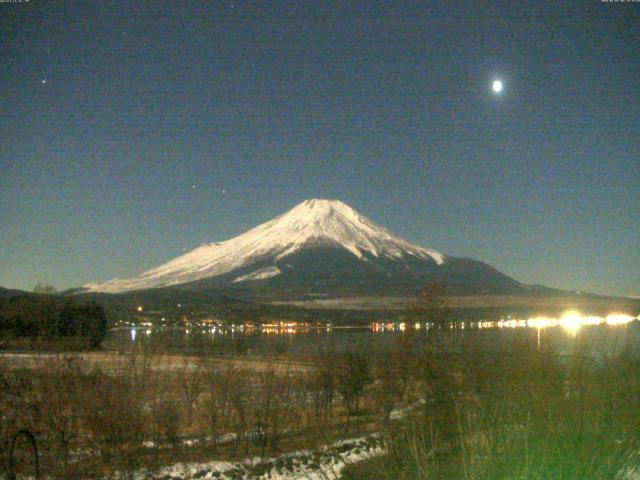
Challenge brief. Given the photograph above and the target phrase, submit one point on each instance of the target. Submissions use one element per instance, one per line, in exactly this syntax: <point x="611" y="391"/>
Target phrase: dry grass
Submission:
<point x="97" y="413"/>
<point x="520" y="413"/>
<point x="113" y="361"/>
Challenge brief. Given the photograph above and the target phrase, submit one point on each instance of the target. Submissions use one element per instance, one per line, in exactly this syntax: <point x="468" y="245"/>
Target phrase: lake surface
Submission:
<point x="561" y="335"/>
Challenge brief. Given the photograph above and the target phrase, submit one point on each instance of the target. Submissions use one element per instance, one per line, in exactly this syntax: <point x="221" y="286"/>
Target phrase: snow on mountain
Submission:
<point x="310" y="223"/>
<point x="259" y="274"/>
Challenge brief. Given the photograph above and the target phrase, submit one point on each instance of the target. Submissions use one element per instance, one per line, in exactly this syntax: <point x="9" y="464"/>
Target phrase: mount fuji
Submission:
<point x="319" y="247"/>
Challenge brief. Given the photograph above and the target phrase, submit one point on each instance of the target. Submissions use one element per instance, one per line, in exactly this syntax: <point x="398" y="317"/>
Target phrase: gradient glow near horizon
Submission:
<point x="133" y="132"/>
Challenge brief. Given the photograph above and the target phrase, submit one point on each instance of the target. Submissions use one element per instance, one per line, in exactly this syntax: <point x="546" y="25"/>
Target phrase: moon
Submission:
<point x="496" y="86"/>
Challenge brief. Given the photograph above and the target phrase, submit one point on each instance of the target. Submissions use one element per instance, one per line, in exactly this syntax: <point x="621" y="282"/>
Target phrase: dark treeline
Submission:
<point x="51" y="318"/>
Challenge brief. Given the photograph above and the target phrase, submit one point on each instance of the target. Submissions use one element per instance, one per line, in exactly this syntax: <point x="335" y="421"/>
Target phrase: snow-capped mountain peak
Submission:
<point x="335" y="221"/>
<point x="315" y="222"/>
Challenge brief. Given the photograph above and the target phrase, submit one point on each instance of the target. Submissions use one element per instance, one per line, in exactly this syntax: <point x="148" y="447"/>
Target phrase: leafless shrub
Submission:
<point x="353" y="376"/>
<point x="217" y="404"/>
<point x="166" y="420"/>
<point x="113" y="415"/>
<point x="322" y="383"/>
<point x="191" y="385"/>
<point x="388" y="384"/>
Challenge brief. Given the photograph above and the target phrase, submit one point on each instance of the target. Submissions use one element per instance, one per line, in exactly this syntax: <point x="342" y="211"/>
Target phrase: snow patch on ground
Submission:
<point x="322" y="464"/>
<point x="194" y="442"/>
<point x="400" y="413"/>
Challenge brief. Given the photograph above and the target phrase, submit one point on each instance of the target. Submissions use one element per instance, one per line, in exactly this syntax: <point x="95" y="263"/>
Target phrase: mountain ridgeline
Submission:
<point x="318" y="248"/>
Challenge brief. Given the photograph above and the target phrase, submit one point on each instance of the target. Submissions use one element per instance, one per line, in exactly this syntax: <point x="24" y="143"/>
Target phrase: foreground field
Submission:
<point x="110" y="415"/>
<point x="522" y="414"/>
<point x="416" y="412"/>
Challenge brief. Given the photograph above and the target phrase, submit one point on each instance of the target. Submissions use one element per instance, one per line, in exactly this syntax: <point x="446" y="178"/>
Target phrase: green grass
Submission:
<point x="518" y="414"/>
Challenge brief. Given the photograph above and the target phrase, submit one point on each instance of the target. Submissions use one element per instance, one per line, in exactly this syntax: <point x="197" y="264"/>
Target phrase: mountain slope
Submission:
<point x="313" y="223"/>
<point x="319" y="246"/>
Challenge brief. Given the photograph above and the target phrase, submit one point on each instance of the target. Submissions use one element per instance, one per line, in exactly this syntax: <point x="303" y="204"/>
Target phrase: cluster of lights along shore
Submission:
<point x="571" y="321"/>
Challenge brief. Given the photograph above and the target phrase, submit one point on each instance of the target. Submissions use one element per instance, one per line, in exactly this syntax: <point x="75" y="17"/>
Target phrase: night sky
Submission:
<point x="112" y="112"/>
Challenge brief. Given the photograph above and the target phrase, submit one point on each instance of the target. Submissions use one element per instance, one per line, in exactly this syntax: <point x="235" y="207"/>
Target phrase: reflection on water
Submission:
<point x="302" y="339"/>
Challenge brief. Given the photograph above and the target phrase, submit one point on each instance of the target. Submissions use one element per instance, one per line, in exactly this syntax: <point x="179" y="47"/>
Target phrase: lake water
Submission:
<point x="563" y="335"/>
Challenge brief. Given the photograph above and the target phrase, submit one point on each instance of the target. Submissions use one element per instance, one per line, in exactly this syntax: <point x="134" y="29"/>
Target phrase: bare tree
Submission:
<point x="217" y="404"/>
<point x="191" y="384"/>
<point x="389" y="386"/>
<point x="353" y="376"/>
<point x="46" y="289"/>
<point x="323" y="383"/>
<point x="166" y="419"/>
<point x="431" y="306"/>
